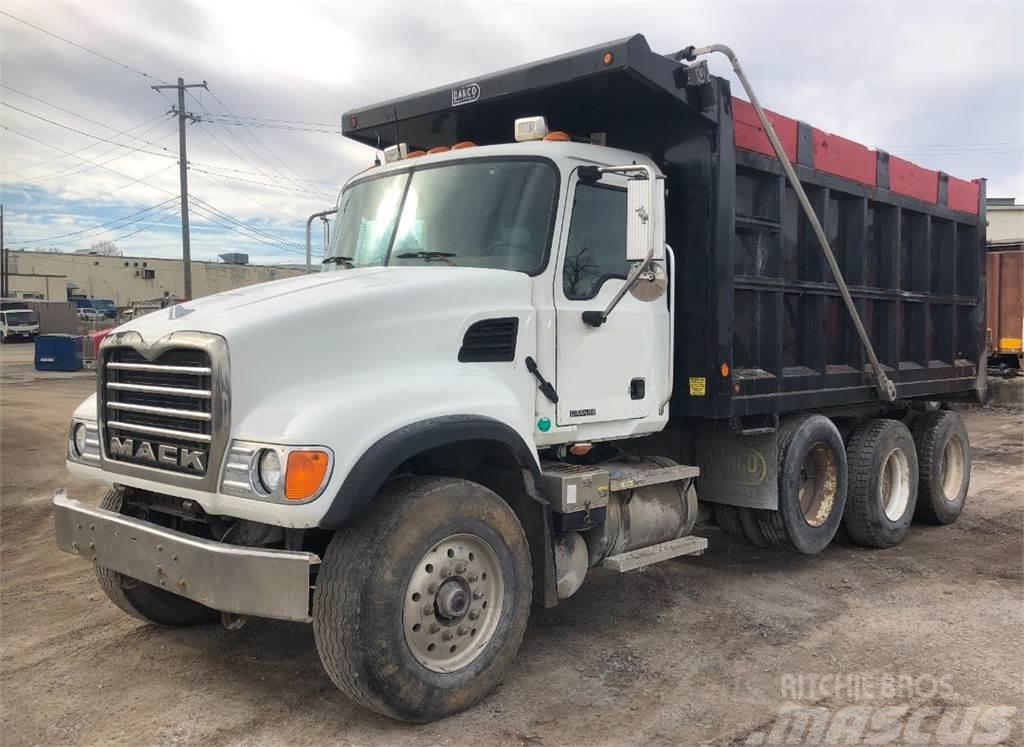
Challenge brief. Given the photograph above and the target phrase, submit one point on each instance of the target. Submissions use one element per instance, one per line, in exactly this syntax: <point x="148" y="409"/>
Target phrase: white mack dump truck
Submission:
<point x="584" y="307"/>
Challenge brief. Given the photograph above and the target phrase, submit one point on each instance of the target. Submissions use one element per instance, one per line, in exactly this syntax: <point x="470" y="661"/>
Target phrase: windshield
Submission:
<point x="494" y="213"/>
<point x="102" y="303"/>
<point x="21" y="317"/>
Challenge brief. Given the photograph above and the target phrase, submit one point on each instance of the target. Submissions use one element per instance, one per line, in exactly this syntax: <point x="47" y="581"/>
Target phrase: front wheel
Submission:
<point x="419" y="610"/>
<point x="145" y="601"/>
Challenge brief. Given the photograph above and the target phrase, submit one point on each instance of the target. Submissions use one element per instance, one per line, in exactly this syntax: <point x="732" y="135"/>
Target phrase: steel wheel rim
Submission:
<point x="952" y="468"/>
<point x="894" y="485"/>
<point x="819" y="479"/>
<point x="453" y="603"/>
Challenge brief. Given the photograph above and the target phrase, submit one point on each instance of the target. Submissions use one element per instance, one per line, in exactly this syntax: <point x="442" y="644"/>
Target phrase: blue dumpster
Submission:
<point x="58" y="353"/>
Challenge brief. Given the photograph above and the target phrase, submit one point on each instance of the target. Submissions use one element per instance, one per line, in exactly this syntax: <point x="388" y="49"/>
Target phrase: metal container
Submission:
<point x="1004" y="271"/>
<point x="58" y="353"/>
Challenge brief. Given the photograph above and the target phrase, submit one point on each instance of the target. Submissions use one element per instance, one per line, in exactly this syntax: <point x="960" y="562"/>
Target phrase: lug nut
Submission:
<point x="428" y="610"/>
<point x="432" y="589"/>
<point x="472" y="577"/>
<point x="445" y="572"/>
<point x="478" y="594"/>
<point x="435" y="628"/>
<point x="462" y="630"/>
<point x="460" y="568"/>
<point x="474" y="614"/>
<point x="447" y="635"/>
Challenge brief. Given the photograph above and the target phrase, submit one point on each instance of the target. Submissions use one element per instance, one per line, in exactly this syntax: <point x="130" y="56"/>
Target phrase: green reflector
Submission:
<point x="544" y="425"/>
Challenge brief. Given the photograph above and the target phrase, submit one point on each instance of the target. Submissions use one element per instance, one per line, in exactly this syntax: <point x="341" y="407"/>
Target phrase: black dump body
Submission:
<point x="754" y="292"/>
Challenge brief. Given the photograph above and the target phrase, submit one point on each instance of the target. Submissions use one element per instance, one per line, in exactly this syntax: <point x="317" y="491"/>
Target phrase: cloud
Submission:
<point x="928" y="80"/>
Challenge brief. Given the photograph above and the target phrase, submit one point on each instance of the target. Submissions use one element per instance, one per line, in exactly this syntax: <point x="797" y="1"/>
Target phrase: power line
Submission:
<point x="218" y="221"/>
<point x="258" y="141"/>
<point x="167" y="217"/>
<point x="90" y="145"/>
<point x="245" y="225"/>
<point x="275" y="126"/>
<point x="110" y="139"/>
<point x="111" y="223"/>
<point x="80" y="46"/>
<point x="76" y="169"/>
<point x="83" y="158"/>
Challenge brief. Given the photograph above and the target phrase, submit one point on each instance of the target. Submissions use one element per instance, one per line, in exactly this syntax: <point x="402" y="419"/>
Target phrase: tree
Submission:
<point x="103" y="249"/>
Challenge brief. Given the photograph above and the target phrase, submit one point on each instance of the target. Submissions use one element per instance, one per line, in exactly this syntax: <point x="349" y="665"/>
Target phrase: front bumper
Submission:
<point x="230" y="578"/>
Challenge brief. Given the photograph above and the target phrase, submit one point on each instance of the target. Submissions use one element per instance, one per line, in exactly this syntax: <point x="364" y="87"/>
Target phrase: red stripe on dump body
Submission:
<point x="837" y="155"/>
<point x="747" y="132"/>
<point x="911" y="180"/>
<point x="963" y="195"/>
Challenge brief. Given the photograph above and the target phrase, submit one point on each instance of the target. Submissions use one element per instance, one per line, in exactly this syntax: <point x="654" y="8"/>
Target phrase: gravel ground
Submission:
<point x="707" y="650"/>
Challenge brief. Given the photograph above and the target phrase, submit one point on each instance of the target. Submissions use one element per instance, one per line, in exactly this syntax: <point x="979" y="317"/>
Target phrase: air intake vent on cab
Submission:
<point x="490" y="341"/>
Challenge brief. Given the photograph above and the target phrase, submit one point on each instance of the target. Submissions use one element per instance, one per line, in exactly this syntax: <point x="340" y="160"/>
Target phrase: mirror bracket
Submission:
<point x="597" y="318"/>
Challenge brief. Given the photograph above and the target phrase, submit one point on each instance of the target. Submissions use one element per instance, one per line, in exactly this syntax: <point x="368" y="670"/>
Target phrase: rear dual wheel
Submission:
<point x="811" y="491"/>
<point x="944" y="456"/>
<point x="812" y="486"/>
<point x="883" y="490"/>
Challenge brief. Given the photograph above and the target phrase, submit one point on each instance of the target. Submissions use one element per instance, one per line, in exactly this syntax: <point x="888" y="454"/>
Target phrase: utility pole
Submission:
<point x="3" y="257"/>
<point x="186" y="251"/>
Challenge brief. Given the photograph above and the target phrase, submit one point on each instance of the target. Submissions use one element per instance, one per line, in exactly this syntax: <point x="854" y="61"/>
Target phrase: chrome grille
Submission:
<point x="167" y="403"/>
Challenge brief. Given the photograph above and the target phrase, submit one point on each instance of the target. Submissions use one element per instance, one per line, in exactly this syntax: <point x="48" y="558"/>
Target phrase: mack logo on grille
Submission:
<point x="159" y="454"/>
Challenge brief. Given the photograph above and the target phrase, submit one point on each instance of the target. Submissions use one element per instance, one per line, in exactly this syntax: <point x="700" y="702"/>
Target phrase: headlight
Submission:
<point x="79" y="440"/>
<point x="268" y="471"/>
<point x="83" y="441"/>
<point x="276" y="473"/>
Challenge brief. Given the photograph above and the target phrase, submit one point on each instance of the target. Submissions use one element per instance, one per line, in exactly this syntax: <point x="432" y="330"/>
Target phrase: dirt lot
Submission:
<point x="702" y="650"/>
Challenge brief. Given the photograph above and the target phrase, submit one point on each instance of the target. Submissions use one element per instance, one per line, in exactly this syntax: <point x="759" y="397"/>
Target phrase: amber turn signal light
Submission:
<point x="305" y="474"/>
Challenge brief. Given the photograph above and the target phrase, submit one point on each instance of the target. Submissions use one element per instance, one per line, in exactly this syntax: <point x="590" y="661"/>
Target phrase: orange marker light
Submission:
<point x="438" y="149"/>
<point x="557" y="136"/>
<point x="416" y="154"/>
<point x="725" y="370"/>
<point x="305" y="474"/>
<point x="607" y="58"/>
<point x="464" y="144"/>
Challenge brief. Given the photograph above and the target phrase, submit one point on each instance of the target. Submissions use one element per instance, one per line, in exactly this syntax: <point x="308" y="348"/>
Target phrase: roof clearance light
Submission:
<point x="557" y="137"/>
<point x="416" y="154"/>
<point x="464" y="144"/>
<point x="395" y="152"/>
<point x="608" y="58"/>
<point x="531" y="128"/>
<point x="438" y="149"/>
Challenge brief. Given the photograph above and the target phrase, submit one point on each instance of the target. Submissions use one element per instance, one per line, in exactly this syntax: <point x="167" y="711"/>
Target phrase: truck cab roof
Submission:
<point x="557" y="152"/>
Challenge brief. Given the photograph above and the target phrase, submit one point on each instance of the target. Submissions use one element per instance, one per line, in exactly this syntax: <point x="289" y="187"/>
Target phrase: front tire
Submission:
<point x="145" y="601"/>
<point x="419" y="610"/>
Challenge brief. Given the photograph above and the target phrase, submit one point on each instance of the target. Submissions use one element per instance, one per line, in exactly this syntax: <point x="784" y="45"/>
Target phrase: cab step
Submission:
<point x="645" y="556"/>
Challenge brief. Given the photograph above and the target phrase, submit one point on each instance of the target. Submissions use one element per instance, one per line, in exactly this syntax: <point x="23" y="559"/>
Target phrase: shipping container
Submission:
<point x="1004" y="271"/>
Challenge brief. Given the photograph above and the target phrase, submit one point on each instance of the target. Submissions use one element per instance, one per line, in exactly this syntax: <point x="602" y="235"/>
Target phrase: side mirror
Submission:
<point x="645" y="218"/>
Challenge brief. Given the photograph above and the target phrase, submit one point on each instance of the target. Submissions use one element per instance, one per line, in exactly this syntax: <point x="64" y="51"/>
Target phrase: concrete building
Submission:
<point x="1005" y="222"/>
<point x="127" y="280"/>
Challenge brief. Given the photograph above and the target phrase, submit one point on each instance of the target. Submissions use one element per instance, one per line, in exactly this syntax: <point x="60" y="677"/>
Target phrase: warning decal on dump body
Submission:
<point x="698" y="386"/>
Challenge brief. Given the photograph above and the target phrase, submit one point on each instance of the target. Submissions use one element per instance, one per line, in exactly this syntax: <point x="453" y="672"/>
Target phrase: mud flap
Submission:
<point x="736" y="469"/>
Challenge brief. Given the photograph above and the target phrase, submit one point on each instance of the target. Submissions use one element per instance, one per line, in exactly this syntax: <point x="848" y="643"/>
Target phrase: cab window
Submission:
<point x="596" y="248"/>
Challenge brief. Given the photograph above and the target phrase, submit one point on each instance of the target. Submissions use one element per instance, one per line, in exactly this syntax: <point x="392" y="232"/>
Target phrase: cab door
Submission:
<point x="618" y="371"/>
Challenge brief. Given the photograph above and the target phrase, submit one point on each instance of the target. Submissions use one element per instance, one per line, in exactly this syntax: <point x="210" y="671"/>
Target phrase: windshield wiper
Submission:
<point x="429" y="256"/>
<point x="338" y="259"/>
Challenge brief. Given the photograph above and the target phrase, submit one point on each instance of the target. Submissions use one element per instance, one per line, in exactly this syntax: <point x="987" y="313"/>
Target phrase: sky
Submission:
<point x="939" y="83"/>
